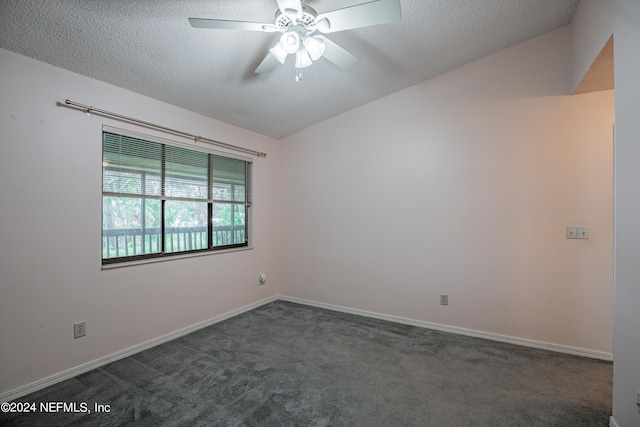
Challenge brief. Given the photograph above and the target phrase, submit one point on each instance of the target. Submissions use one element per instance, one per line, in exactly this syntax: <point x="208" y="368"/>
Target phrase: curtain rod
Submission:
<point x="88" y="109"/>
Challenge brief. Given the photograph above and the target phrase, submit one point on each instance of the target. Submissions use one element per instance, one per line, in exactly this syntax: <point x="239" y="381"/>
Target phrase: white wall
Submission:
<point x="488" y="163"/>
<point x="590" y="26"/>
<point x="50" y="222"/>
<point x="593" y="22"/>
<point x="463" y="185"/>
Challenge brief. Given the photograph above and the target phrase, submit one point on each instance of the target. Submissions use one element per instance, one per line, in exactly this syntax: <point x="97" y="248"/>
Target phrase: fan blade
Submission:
<point x="268" y="64"/>
<point x="221" y="24"/>
<point x="290" y="7"/>
<point x="360" y="15"/>
<point x="338" y="55"/>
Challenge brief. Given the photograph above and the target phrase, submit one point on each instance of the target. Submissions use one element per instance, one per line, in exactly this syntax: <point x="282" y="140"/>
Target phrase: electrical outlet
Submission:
<point x="444" y="299"/>
<point x="79" y="329"/>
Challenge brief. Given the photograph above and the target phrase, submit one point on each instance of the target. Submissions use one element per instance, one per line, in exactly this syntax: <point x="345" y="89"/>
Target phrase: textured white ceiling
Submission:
<point x="148" y="46"/>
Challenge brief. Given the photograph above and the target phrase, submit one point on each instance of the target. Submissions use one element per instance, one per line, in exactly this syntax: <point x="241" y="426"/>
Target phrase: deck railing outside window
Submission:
<point x="135" y="241"/>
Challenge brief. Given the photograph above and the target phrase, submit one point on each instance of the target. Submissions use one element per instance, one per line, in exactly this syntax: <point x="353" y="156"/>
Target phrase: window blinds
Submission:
<point x="134" y="166"/>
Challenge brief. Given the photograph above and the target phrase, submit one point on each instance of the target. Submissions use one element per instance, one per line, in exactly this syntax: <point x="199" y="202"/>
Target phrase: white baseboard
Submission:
<point x="70" y="373"/>
<point x="612" y="422"/>
<point x="86" y="367"/>
<point x="456" y="330"/>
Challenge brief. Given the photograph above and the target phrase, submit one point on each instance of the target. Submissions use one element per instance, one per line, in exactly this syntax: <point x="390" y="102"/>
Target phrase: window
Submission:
<point x="161" y="199"/>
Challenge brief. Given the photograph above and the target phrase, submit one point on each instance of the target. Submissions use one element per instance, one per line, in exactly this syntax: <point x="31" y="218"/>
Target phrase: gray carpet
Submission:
<point x="285" y="364"/>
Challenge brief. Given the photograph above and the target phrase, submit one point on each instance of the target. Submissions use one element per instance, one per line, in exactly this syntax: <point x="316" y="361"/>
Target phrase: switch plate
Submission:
<point x="577" y="232"/>
<point x="444" y="299"/>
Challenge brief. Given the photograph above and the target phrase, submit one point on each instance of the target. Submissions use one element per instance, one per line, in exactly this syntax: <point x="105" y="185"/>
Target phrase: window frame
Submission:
<point x="163" y="237"/>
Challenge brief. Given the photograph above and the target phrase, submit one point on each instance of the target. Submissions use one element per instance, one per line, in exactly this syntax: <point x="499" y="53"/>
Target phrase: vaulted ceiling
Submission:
<point x="148" y="46"/>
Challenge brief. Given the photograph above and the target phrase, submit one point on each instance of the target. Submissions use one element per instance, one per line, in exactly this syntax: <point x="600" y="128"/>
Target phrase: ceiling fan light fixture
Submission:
<point x="315" y="46"/>
<point x="279" y="53"/>
<point x="290" y="41"/>
<point x="303" y="59"/>
<point x="297" y="22"/>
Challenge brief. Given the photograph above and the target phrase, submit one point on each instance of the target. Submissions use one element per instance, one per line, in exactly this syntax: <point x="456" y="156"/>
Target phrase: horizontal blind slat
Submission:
<point x="229" y="179"/>
<point x="186" y="173"/>
<point x="130" y="165"/>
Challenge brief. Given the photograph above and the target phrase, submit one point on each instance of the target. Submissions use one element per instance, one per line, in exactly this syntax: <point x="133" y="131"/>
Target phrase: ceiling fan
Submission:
<point x="297" y="24"/>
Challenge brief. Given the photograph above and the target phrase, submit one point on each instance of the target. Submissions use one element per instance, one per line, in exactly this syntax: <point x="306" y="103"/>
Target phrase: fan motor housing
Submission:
<point x="285" y="21"/>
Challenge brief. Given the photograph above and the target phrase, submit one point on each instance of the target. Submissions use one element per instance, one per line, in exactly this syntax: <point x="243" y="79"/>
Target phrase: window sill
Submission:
<point x="173" y="258"/>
